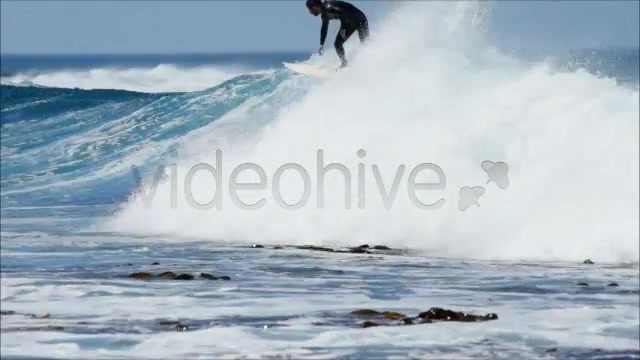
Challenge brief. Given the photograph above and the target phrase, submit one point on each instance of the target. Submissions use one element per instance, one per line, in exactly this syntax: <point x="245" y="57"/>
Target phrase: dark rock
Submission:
<point x="367" y="247"/>
<point x="440" y="314"/>
<point x="612" y="284"/>
<point x="365" y="312"/>
<point x="491" y="316"/>
<point x="168" y="275"/>
<point x="51" y="328"/>
<point x="7" y="312"/>
<point x="407" y="321"/>
<point x="168" y="323"/>
<point x="552" y="350"/>
<point x="430" y="316"/>
<point x="140" y="275"/>
<point x="156" y="263"/>
<point x="393" y="315"/>
<point x="588" y="261"/>
<point x="362" y="249"/>
<point x="257" y="246"/>
<point x="35" y="328"/>
<point x="208" y="276"/>
<point x="368" y="324"/>
<point x="278" y="247"/>
<point x="224" y="278"/>
<point x="181" y="327"/>
<point x="185" y="277"/>
<point x="316" y="248"/>
<point x="582" y="284"/>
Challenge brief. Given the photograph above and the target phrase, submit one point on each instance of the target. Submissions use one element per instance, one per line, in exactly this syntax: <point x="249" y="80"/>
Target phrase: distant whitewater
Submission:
<point x="567" y="130"/>
<point x="162" y="78"/>
<point x="142" y="73"/>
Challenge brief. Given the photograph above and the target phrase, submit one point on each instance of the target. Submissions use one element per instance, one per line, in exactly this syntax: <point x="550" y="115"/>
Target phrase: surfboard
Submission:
<point x="308" y="69"/>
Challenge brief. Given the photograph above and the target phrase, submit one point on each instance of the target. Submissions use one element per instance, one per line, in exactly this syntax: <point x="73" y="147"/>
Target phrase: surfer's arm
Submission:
<point x="324" y="29"/>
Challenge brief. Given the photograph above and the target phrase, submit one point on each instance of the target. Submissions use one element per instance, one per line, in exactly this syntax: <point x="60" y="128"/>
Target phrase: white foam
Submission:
<point x="429" y="89"/>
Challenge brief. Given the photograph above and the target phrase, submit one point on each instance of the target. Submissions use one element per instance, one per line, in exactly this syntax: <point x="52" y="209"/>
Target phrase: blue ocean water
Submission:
<point x="80" y="133"/>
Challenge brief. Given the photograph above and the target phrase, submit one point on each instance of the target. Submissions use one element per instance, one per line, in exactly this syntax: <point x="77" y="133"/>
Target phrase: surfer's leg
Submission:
<point x="363" y="31"/>
<point x="343" y="35"/>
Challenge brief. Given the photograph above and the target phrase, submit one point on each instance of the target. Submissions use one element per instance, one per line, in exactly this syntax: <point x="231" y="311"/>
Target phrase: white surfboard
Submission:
<point x="309" y="69"/>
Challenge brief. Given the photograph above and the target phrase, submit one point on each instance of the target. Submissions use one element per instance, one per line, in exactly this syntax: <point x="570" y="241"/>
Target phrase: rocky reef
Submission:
<point x="433" y="315"/>
<point x="170" y="275"/>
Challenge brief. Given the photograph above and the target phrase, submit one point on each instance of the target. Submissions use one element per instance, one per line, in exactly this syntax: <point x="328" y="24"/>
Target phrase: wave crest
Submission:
<point x="158" y="79"/>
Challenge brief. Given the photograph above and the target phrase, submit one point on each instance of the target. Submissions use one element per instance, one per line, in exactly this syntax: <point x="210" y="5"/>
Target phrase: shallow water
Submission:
<point x="296" y="303"/>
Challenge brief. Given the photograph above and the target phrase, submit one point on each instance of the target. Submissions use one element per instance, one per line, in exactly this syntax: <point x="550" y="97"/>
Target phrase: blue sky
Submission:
<point x="228" y="26"/>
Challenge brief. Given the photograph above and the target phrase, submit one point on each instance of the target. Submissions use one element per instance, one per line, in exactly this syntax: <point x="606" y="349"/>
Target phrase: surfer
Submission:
<point x="351" y="19"/>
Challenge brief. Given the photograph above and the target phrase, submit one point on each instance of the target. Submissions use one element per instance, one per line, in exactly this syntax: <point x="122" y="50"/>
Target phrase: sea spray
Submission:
<point x="439" y="94"/>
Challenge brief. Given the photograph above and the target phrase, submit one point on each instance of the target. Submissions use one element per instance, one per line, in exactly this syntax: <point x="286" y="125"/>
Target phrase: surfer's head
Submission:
<point x="314" y="6"/>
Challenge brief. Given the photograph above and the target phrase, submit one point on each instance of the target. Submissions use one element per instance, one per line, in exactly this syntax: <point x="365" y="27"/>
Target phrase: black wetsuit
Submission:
<point x="351" y="19"/>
